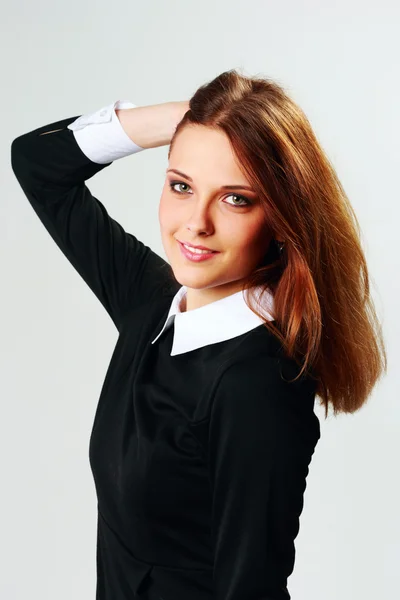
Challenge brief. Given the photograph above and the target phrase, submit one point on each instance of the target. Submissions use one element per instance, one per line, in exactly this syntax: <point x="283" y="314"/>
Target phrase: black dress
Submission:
<point x="199" y="459"/>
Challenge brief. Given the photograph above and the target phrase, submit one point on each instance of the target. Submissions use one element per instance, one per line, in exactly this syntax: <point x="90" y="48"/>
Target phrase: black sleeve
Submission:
<point x="51" y="170"/>
<point x="262" y="436"/>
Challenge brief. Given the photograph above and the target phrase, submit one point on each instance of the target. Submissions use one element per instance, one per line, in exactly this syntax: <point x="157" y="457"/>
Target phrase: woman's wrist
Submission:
<point x="154" y="125"/>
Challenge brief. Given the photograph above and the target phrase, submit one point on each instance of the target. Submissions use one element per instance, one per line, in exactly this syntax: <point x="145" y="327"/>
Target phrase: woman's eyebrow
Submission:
<point x="223" y="187"/>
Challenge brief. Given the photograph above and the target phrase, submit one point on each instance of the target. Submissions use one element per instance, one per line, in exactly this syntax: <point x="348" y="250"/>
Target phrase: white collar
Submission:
<point x="215" y="322"/>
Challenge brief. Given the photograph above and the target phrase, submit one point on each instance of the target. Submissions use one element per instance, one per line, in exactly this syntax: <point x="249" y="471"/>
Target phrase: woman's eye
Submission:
<point x="181" y="183"/>
<point x="247" y="202"/>
<point x="174" y="183"/>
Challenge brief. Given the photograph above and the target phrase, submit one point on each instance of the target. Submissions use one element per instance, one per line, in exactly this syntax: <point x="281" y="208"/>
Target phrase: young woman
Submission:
<point x="205" y="427"/>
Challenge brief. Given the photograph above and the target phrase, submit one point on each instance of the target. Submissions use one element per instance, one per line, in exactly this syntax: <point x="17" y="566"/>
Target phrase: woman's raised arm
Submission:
<point x="52" y="164"/>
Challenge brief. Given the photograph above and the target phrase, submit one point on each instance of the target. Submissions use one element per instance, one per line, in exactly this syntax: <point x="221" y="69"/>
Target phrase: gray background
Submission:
<point x="59" y="59"/>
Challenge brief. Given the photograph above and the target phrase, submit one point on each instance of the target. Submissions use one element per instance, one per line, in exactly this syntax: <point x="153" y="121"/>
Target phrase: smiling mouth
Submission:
<point x="196" y="256"/>
<point x="195" y="250"/>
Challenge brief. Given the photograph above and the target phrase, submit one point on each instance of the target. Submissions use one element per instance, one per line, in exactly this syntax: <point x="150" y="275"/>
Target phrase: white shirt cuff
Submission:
<point x="101" y="136"/>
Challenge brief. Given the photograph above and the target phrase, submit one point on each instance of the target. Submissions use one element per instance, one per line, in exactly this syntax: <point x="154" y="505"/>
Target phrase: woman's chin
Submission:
<point x="194" y="281"/>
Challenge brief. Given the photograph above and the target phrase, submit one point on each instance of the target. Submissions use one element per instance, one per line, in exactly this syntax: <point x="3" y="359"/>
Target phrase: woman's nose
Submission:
<point x="200" y="221"/>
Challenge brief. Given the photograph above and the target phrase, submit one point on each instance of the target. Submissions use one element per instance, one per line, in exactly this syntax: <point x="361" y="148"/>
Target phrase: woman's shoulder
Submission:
<point x="260" y="372"/>
<point x="259" y="354"/>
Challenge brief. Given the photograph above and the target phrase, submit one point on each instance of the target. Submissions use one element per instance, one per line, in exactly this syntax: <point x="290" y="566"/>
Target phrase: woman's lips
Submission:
<point x="195" y="256"/>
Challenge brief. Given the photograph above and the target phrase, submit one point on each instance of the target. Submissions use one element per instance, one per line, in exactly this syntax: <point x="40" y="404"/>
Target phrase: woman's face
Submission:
<point x="201" y="212"/>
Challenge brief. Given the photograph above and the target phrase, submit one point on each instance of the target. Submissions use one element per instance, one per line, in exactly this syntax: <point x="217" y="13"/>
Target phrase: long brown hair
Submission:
<point x="325" y="318"/>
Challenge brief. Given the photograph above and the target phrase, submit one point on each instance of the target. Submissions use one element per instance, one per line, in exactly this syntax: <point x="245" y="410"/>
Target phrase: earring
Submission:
<point x="281" y="246"/>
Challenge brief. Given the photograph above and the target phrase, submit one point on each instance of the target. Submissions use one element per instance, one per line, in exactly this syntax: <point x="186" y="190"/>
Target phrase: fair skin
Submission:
<point x="202" y="213"/>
